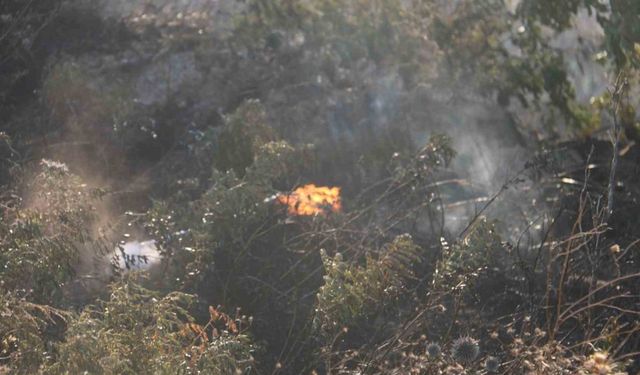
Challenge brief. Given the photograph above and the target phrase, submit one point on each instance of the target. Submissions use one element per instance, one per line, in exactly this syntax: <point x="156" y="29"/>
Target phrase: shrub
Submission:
<point x="41" y="245"/>
<point x="352" y="294"/>
<point x="138" y="331"/>
<point x="24" y="341"/>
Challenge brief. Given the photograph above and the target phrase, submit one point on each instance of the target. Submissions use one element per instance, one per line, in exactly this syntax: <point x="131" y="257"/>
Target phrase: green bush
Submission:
<point x="138" y="331"/>
<point x="352" y="295"/>
<point x="42" y="243"/>
<point x="24" y="341"/>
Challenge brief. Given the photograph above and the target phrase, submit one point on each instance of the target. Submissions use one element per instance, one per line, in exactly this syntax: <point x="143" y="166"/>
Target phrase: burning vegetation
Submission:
<point x="311" y="200"/>
<point x="161" y="125"/>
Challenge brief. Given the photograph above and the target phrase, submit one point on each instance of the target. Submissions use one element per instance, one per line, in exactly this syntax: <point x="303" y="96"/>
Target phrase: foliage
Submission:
<point x="346" y="32"/>
<point x="245" y="132"/>
<point x="621" y="33"/>
<point x="40" y="248"/>
<point x="41" y="245"/>
<point x="74" y="101"/>
<point x="365" y="97"/>
<point x="22" y="331"/>
<point x="352" y="295"/>
<point x="21" y="25"/>
<point x="461" y="263"/>
<point x="140" y="332"/>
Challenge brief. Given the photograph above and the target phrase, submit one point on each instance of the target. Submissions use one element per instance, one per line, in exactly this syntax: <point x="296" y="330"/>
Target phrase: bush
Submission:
<point x="349" y="98"/>
<point x="352" y="295"/>
<point x="137" y="331"/>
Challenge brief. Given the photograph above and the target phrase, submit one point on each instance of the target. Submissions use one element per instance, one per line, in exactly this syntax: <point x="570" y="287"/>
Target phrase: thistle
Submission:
<point x="492" y="364"/>
<point x="433" y="350"/>
<point x="465" y="349"/>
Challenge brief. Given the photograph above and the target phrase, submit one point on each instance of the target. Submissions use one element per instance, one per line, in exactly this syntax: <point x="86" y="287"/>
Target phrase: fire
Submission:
<point x="312" y="200"/>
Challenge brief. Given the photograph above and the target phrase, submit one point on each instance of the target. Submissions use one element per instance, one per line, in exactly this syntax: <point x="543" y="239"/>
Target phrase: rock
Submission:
<point x="166" y="77"/>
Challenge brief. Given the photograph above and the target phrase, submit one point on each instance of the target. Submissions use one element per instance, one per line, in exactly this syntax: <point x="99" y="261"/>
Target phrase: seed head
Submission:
<point x="433" y="350"/>
<point x="465" y="349"/>
<point x="492" y="364"/>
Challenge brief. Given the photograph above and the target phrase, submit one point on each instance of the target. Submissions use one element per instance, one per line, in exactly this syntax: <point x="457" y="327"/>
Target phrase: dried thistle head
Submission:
<point x="600" y="363"/>
<point x="465" y="349"/>
<point x="433" y="350"/>
<point x="492" y="364"/>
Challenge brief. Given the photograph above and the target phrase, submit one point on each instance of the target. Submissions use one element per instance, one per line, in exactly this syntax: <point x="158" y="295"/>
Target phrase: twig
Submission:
<point x="616" y="96"/>
<point x="495" y="196"/>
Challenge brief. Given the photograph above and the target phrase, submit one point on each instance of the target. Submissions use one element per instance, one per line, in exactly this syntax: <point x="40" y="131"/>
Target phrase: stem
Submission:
<point x="617" y="98"/>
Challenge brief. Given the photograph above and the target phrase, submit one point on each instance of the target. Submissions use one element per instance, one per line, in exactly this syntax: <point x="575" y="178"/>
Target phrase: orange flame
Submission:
<point x="312" y="200"/>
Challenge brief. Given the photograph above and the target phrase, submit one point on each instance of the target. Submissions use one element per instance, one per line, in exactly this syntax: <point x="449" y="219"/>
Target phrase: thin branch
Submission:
<point x="617" y="94"/>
